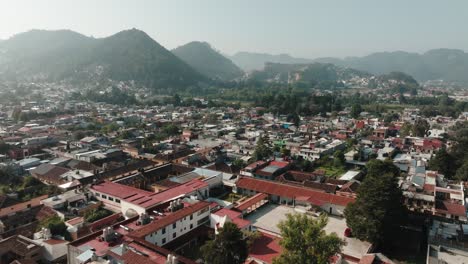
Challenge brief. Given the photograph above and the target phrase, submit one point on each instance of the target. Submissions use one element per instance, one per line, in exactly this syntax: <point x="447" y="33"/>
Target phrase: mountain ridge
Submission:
<point x="205" y="59"/>
<point x="125" y="56"/>
<point x="442" y="63"/>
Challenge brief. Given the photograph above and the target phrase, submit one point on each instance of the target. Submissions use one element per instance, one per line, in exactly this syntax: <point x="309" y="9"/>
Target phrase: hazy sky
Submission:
<point x="306" y="28"/>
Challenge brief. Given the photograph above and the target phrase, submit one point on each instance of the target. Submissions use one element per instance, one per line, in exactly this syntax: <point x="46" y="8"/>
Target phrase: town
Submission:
<point x="92" y="182"/>
<point x="233" y="132"/>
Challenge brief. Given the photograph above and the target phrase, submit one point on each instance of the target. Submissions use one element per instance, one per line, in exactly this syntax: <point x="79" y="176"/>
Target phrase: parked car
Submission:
<point x="348" y="232"/>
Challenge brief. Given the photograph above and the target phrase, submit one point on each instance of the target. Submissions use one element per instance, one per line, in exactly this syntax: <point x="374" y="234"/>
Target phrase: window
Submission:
<point x="117" y="200"/>
<point x="191" y="226"/>
<point x="97" y="194"/>
<point x="104" y="196"/>
<point x="164" y="240"/>
<point x="204" y="210"/>
<point x="191" y="217"/>
<point x="174" y="225"/>
<point x="164" y="230"/>
<point x="111" y="199"/>
<point x="203" y="220"/>
<point x="174" y="235"/>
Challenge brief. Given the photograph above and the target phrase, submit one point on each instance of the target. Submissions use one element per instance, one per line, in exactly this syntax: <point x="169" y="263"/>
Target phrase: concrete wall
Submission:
<point x="182" y="227"/>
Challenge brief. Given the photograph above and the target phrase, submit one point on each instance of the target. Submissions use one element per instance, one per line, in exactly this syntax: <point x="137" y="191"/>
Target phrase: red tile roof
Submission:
<point x="290" y="191"/>
<point x="22" y="206"/>
<point x="234" y="216"/>
<point x="251" y="201"/>
<point x="450" y="208"/>
<point x="230" y="213"/>
<point x="169" y="219"/>
<point x="265" y="248"/>
<point x="144" y="198"/>
<point x="367" y="259"/>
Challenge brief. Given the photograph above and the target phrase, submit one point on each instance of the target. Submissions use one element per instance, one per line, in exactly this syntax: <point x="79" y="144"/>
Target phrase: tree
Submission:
<point x="356" y="110"/>
<point x="4" y="147"/>
<point x="443" y="162"/>
<point x="228" y="247"/>
<point x="56" y="226"/>
<point x="95" y="214"/>
<point x="405" y="130"/>
<point x="78" y="135"/>
<point x="294" y="118"/>
<point x="462" y="172"/>
<point x="420" y="127"/>
<point x="239" y="163"/>
<point x="304" y="240"/>
<point x="378" y="212"/>
<point x="285" y="152"/>
<point x="263" y="150"/>
<point x="170" y="129"/>
<point x="339" y="158"/>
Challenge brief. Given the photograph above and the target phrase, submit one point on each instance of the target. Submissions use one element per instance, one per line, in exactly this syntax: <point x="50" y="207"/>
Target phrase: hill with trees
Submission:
<point x="313" y="72"/>
<point x="207" y="61"/>
<point x="249" y="61"/>
<point x="130" y="55"/>
<point x="445" y="64"/>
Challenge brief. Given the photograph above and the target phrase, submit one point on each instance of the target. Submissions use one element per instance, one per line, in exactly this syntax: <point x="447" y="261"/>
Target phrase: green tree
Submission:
<point x="4" y="147"/>
<point x="170" y="129"/>
<point x="263" y="150"/>
<point x="96" y="214"/>
<point x="339" y="158"/>
<point x="406" y="130"/>
<point x="443" y="162"/>
<point x="228" y="247"/>
<point x="462" y="172"/>
<point x="56" y="226"/>
<point x="77" y="135"/>
<point x="356" y="110"/>
<point x="305" y="241"/>
<point x="239" y="163"/>
<point x="285" y="152"/>
<point x="294" y="118"/>
<point x="420" y="127"/>
<point x="378" y="212"/>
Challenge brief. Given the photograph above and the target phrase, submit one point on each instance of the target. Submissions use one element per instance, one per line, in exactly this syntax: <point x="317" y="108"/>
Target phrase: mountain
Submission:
<point x="207" y="61"/>
<point x="249" y="61"/>
<point x="328" y="76"/>
<point x="67" y="55"/>
<point x="312" y="73"/>
<point x="446" y="64"/>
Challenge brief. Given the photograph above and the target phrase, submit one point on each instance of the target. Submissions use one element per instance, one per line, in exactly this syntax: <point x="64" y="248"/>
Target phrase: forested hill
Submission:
<point x="327" y="75"/>
<point x="249" y="61"/>
<point x="209" y="62"/>
<point x="67" y="55"/>
<point x="445" y="64"/>
<point x="435" y="64"/>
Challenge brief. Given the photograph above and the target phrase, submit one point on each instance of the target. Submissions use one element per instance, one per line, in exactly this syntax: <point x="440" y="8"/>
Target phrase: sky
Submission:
<point x="302" y="28"/>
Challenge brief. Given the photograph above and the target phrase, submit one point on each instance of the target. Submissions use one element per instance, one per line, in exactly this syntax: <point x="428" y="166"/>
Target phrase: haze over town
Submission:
<point x="240" y="132"/>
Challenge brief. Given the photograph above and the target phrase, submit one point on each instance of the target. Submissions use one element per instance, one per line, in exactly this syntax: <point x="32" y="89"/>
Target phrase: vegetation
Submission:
<point x="264" y="149"/>
<point x="304" y="240"/>
<point x="228" y="247"/>
<point x="378" y="211"/>
<point x="26" y="187"/>
<point x="203" y="58"/>
<point x="130" y="55"/>
<point x="56" y="226"/>
<point x="95" y="214"/>
<point x="453" y="163"/>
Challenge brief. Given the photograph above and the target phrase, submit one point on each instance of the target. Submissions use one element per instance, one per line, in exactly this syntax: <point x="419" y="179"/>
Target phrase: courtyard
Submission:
<point x="267" y="218"/>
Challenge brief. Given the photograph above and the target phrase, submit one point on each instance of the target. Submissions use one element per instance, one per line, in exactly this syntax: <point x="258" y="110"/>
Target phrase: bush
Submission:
<point x="96" y="214"/>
